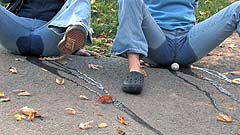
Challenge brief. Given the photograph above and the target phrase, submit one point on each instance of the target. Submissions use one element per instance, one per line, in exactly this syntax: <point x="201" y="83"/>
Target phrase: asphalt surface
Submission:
<point x="172" y="103"/>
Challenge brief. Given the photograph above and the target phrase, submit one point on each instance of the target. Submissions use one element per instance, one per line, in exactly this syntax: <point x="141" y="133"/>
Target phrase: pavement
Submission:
<point x="172" y="103"/>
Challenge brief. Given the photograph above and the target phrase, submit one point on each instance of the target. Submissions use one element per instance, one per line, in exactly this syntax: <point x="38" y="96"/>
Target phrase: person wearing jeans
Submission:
<point x="162" y="32"/>
<point x="45" y="27"/>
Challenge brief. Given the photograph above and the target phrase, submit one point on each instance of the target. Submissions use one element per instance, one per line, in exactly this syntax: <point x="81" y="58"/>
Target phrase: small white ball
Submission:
<point x="175" y="66"/>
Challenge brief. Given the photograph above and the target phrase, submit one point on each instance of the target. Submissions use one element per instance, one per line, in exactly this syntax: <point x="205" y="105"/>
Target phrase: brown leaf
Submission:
<point x="86" y="125"/>
<point x="120" y="131"/>
<point x="105" y="99"/>
<point x="29" y="111"/>
<point x="144" y="73"/>
<point x="31" y="116"/>
<point x="94" y="67"/>
<point x="224" y="118"/>
<point x="71" y="111"/>
<point x="12" y="70"/>
<point x="83" y="97"/>
<point x="214" y="54"/>
<point x="233" y="73"/>
<point x="122" y="120"/>
<point x="60" y="81"/>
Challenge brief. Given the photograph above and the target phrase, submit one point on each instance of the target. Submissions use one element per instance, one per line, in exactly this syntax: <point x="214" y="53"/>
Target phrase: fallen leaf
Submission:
<point x="194" y="67"/>
<point x="236" y="81"/>
<point x="144" y="73"/>
<point x="232" y="46"/>
<point x="43" y="69"/>
<point x="31" y="116"/>
<point x="233" y="73"/>
<point x="93" y="1"/>
<point x="29" y="111"/>
<point x="122" y="120"/>
<point x="214" y="54"/>
<point x="102" y="125"/>
<point x="224" y="118"/>
<point x="86" y="125"/>
<point x="83" y="97"/>
<point x="105" y="99"/>
<point x="4" y="99"/>
<point x="2" y="94"/>
<point x="19" y="59"/>
<point x="60" y="81"/>
<point x="19" y="117"/>
<point x="71" y="111"/>
<point x="12" y="70"/>
<point x="94" y="67"/>
<point x="25" y="93"/>
<point x="120" y="131"/>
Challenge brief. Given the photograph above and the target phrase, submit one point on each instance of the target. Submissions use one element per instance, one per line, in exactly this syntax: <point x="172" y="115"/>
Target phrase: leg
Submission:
<point x="13" y="30"/>
<point x="208" y="34"/>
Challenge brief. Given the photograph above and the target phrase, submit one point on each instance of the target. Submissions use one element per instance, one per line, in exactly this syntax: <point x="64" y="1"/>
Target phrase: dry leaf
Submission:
<point x="83" y="97"/>
<point x="102" y="125"/>
<point x="224" y="118"/>
<point x="21" y="92"/>
<point x="120" y="131"/>
<point x="31" y="116"/>
<point x="19" y="59"/>
<point x="144" y="73"/>
<point x="29" y="111"/>
<point x="233" y="73"/>
<point x="19" y="117"/>
<point x="54" y="58"/>
<point x="236" y="81"/>
<point x="2" y="94"/>
<point x="25" y="93"/>
<point x="105" y="99"/>
<point x="94" y="67"/>
<point x="60" y="81"/>
<point x="4" y="99"/>
<point x="12" y="70"/>
<point x="71" y="111"/>
<point x="232" y="46"/>
<point x="86" y="125"/>
<point x="194" y="67"/>
<point x="122" y="120"/>
<point x="43" y="69"/>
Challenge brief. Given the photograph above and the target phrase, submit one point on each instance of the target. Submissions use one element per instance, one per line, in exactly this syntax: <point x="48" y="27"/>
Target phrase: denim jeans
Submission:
<point x="26" y="36"/>
<point x="139" y="33"/>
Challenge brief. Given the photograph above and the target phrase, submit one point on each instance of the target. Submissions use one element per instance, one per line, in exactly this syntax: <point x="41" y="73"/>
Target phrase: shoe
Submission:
<point x="133" y="84"/>
<point x="73" y="39"/>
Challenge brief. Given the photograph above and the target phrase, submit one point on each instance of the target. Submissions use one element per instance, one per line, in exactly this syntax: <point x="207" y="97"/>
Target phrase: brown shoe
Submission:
<point x="74" y="39"/>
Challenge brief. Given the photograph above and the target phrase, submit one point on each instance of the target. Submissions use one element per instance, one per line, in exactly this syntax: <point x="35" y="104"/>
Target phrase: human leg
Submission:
<point x="138" y="35"/>
<point x="13" y="30"/>
<point x="208" y="34"/>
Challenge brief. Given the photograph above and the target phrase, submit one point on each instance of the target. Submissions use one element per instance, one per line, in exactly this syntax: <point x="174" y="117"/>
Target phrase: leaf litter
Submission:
<point x="86" y="125"/>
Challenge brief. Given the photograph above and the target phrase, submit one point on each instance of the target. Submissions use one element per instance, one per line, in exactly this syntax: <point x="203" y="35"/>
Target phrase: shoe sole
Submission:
<point x="73" y="40"/>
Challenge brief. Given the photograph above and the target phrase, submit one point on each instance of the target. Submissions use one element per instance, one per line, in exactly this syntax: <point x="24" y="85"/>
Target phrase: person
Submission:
<point x="45" y="27"/>
<point x="163" y="32"/>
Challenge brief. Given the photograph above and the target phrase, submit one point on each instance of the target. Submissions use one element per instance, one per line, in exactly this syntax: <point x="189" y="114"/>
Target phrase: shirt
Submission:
<point x="173" y="14"/>
<point x="40" y="9"/>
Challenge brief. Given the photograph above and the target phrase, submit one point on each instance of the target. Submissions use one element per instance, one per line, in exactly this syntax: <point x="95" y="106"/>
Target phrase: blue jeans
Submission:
<point x="139" y="33"/>
<point x="26" y="36"/>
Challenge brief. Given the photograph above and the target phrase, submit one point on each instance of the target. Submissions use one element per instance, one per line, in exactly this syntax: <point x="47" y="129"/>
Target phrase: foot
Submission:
<point x="74" y="39"/>
<point x="133" y="84"/>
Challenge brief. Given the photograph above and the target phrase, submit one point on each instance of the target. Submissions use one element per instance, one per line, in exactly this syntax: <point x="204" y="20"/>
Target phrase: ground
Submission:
<point x="181" y="103"/>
